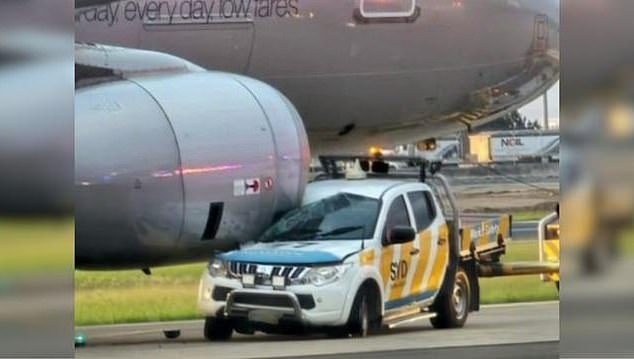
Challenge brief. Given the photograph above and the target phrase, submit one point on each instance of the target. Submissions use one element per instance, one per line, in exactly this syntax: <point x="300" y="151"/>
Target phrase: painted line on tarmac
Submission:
<point x="519" y="304"/>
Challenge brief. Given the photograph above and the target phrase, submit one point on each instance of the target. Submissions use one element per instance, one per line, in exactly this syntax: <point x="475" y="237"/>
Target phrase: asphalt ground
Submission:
<point x="520" y="330"/>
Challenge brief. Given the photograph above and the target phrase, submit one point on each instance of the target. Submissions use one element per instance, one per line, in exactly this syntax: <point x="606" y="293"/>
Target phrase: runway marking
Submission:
<point x="519" y="304"/>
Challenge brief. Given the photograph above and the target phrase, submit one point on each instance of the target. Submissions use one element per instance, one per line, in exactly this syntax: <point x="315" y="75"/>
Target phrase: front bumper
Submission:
<point x="306" y="305"/>
<point x="245" y="303"/>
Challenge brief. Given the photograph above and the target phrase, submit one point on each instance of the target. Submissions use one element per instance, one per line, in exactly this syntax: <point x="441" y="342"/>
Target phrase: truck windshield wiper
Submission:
<point x="339" y="231"/>
<point x="295" y="234"/>
<point x="299" y="234"/>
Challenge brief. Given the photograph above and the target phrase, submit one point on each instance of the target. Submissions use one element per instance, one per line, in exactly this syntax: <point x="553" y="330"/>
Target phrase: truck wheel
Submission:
<point x="217" y="329"/>
<point x="452" y="309"/>
<point x="359" y="321"/>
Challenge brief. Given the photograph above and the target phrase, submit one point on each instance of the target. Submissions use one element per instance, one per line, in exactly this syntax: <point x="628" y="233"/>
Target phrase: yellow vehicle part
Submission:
<point x="549" y="245"/>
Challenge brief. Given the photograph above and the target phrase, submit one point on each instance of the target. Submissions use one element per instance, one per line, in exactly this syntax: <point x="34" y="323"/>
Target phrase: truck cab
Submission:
<point x="357" y="255"/>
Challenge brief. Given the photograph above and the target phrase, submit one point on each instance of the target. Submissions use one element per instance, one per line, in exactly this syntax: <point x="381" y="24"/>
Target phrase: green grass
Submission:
<point x="170" y="293"/>
<point x="529" y="215"/>
<point x="527" y="288"/>
<point x="36" y="246"/>
<point x="131" y="296"/>
<point x="140" y="304"/>
<point x="626" y="243"/>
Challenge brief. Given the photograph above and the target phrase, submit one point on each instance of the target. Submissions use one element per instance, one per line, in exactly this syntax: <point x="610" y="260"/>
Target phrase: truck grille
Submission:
<point x="264" y="273"/>
<point x="306" y="301"/>
<point x="269" y="300"/>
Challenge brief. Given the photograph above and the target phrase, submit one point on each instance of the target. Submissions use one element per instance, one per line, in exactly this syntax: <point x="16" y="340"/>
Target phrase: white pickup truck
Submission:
<point x="357" y="255"/>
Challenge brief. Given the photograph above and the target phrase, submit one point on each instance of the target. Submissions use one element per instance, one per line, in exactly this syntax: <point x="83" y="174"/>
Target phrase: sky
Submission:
<point x="535" y="110"/>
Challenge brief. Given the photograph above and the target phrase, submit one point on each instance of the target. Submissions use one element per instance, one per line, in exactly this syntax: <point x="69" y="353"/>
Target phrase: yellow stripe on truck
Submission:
<point x="424" y="240"/>
<point x="442" y="256"/>
<point x="398" y="285"/>
<point x="386" y="261"/>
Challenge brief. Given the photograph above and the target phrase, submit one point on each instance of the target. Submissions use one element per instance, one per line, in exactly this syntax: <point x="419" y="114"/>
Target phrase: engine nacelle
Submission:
<point x="170" y="167"/>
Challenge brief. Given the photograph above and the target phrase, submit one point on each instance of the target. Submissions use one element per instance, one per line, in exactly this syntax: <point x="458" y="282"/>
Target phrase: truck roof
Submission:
<point x="372" y="188"/>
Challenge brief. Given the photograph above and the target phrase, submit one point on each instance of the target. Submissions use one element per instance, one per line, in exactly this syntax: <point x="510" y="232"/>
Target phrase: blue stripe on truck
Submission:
<point x="282" y="256"/>
<point x="392" y="304"/>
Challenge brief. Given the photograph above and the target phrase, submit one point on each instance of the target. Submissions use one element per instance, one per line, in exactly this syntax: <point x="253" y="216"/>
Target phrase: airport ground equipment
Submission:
<point x="359" y="254"/>
<point x="514" y="146"/>
<point x="549" y="248"/>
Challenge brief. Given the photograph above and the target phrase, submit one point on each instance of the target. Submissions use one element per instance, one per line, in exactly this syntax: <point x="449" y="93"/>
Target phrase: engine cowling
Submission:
<point x="170" y="167"/>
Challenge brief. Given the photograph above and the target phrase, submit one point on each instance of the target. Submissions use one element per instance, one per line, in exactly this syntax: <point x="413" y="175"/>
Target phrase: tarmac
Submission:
<point x="520" y="330"/>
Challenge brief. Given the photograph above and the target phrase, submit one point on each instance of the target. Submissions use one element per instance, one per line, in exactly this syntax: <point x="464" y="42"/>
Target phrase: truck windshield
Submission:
<point x="338" y="217"/>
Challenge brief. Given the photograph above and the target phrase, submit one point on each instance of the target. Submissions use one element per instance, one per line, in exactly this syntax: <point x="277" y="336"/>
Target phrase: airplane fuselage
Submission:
<point x="357" y="70"/>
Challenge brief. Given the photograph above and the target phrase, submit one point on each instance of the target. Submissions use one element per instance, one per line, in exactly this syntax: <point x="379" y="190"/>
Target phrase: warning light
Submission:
<point x="427" y="145"/>
<point x="375" y="151"/>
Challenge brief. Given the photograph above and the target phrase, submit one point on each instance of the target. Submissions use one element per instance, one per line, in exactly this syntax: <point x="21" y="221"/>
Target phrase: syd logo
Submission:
<point x="398" y="270"/>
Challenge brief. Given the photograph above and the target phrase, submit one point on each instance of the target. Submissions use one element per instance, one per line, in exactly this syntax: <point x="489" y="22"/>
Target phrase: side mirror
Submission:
<point x="401" y="234"/>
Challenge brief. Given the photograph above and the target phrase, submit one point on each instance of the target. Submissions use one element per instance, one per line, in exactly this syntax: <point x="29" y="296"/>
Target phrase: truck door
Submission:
<point x="396" y="258"/>
<point x="430" y="249"/>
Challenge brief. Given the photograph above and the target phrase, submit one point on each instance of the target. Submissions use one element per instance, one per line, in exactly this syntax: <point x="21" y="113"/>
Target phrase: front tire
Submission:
<point x="452" y="307"/>
<point x="359" y="322"/>
<point x="217" y="329"/>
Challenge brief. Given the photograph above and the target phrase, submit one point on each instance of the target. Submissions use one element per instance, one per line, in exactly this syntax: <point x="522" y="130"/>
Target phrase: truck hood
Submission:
<point x="301" y="253"/>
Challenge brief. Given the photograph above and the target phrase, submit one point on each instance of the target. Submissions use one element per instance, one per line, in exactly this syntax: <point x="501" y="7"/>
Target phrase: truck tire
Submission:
<point x="452" y="307"/>
<point x="359" y="321"/>
<point x="217" y="329"/>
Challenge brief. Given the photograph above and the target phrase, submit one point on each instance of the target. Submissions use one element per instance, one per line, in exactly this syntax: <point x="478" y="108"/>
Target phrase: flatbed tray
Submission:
<point x="484" y="233"/>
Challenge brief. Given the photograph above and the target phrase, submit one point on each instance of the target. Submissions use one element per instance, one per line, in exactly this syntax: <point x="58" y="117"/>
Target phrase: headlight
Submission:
<point x="319" y="276"/>
<point x="217" y="268"/>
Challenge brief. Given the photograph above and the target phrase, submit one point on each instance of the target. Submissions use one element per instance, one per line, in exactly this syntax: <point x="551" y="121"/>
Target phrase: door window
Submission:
<point x="423" y="207"/>
<point x="396" y="216"/>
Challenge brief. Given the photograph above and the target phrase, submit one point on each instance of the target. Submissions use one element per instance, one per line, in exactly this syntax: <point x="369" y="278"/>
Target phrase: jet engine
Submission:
<point x="172" y="166"/>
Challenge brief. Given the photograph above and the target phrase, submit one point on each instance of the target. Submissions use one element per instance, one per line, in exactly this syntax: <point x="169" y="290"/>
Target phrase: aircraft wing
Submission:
<point x="98" y="61"/>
